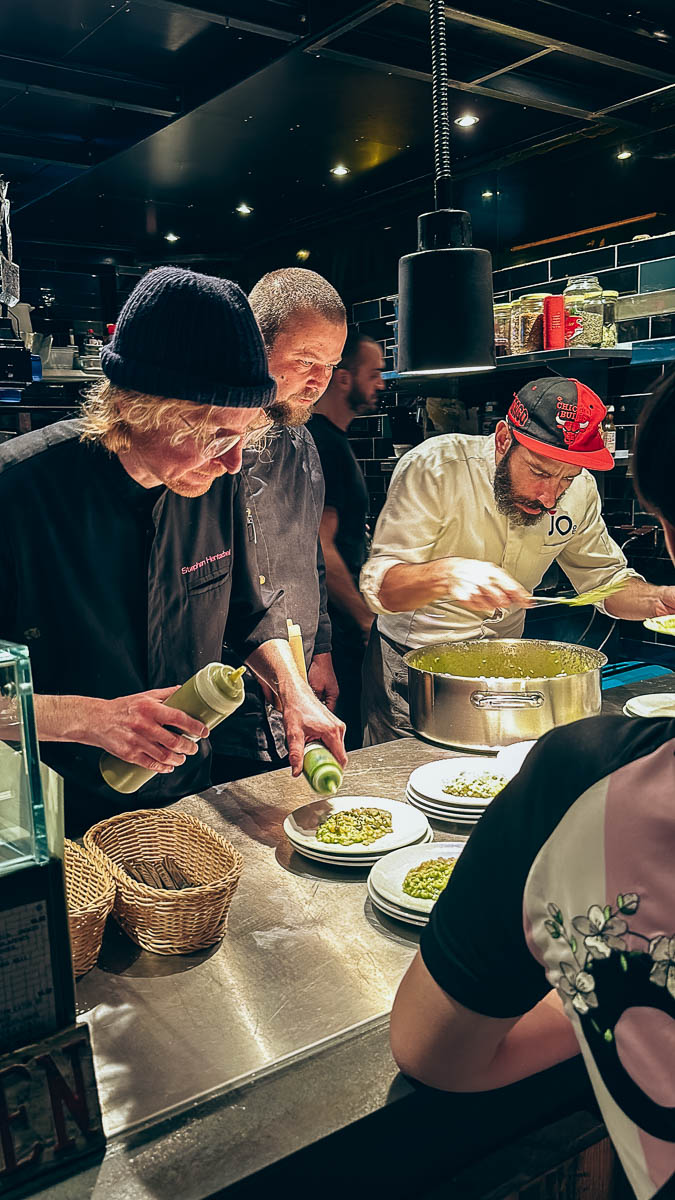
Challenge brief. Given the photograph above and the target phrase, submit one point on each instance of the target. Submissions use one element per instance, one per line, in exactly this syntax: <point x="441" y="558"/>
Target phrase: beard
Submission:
<point x="507" y="500"/>
<point x="296" y="410"/>
<point x="359" y="402"/>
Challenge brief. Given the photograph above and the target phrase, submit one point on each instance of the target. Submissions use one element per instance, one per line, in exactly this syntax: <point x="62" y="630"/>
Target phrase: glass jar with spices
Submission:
<point x="583" y="311"/>
<point x="608" y="430"/>
<point x="609" y="334"/>
<point x="502" y="329"/>
<point x="532" y="321"/>
<point x="514" y="339"/>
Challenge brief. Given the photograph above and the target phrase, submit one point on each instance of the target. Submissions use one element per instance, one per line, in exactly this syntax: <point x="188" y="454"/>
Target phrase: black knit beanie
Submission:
<point x="193" y="337"/>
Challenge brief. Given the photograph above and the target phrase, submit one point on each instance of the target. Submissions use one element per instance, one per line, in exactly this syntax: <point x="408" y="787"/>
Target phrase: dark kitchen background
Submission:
<point x="207" y="134"/>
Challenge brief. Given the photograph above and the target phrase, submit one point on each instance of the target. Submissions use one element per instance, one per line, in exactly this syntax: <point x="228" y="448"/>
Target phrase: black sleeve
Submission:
<point x="254" y="616"/>
<point x="7" y="594"/>
<point x="474" y="945"/>
<point x="323" y="639"/>
<point x="333" y="473"/>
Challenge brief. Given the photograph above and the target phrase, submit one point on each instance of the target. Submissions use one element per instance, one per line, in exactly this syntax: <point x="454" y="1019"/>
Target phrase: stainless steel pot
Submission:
<point x="481" y="695"/>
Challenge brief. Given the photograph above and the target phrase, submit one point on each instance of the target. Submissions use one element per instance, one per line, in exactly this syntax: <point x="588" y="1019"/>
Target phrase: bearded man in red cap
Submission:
<point x="469" y="528"/>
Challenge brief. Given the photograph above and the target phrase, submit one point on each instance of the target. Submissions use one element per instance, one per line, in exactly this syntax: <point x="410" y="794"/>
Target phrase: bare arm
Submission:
<point x="478" y="586"/>
<point x="639" y="600"/>
<point x="135" y="728"/>
<point x="441" y="1043"/>
<point x="342" y="590"/>
<point x="305" y="718"/>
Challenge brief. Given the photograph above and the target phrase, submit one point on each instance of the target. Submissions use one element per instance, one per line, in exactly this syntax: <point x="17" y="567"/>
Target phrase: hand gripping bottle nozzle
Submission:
<point x="209" y="696"/>
<point x="322" y="772"/>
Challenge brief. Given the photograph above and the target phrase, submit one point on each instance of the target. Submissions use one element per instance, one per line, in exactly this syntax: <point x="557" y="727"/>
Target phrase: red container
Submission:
<point x="554" y="323"/>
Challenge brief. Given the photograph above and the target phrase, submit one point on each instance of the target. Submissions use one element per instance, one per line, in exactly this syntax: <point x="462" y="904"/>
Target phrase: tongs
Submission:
<point x="596" y="596"/>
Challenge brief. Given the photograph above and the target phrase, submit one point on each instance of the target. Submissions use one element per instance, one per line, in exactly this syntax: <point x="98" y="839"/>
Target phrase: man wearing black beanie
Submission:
<point x="126" y="557"/>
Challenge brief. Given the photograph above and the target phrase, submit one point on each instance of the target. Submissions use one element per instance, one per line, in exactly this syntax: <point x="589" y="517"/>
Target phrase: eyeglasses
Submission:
<point x="218" y="446"/>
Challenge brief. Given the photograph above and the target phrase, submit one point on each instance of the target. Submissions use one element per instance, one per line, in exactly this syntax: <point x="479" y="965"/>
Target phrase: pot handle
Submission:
<point x="507" y="699"/>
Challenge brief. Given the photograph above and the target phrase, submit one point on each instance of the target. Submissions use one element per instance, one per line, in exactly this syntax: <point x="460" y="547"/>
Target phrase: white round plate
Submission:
<point x="407" y="826"/>
<point x="430" y="780"/>
<point x="661" y="625"/>
<point x="365" y="860"/>
<point x="394" y="912"/>
<point x="654" y="704"/>
<point x="446" y="805"/>
<point x="445" y="812"/>
<point x="510" y="759"/>
<point x="388" y="874"/>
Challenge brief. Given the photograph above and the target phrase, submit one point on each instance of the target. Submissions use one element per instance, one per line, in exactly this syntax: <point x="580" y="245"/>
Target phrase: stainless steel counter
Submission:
<point x="212" y="1066"/>
<point x="306" y="959"/>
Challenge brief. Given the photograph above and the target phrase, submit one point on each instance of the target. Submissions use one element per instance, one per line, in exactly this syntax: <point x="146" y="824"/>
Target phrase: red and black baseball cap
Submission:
<point x="561" y="418"/>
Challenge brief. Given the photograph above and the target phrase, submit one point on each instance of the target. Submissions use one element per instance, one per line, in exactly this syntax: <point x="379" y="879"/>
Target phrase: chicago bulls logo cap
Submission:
<point x="561" y="418"/>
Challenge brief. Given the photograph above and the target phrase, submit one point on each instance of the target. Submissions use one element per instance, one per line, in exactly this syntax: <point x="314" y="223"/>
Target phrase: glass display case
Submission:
<point x="23" y="830"/>
<point x="37" y="994"/>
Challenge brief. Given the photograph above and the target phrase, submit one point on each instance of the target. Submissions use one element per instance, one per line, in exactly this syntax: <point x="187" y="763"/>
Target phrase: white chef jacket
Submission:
<point x="441" y="504"/>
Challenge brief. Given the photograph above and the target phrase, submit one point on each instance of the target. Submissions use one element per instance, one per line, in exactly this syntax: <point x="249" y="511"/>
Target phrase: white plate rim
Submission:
<point x="444" y="808"/>
<point x="419" y="920"/>
<point x="336" y="861"/>
<point x="653" y="712"/>
<point x="390" y="841"/>
<point x="454" y="765"/>
<point x="407" y="861"/>
<point x="411" y="794"/>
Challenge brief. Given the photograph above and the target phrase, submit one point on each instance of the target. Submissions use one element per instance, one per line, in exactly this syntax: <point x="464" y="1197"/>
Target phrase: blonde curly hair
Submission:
<point x="110" y="415"/>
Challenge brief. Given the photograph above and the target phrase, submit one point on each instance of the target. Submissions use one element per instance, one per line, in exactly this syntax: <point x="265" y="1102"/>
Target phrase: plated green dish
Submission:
<point x="352" y="825"/>
<point x="426" y="881"/>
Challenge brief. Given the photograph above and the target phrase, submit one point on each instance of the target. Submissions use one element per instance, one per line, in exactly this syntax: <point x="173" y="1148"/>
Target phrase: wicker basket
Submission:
<point x="90" y="892"/>
<point x="164" y="920"/>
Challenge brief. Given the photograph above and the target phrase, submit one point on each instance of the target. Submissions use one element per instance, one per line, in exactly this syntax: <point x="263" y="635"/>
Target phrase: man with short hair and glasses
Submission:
<point x="303" y="323"/>
<point x="125" y="560"/>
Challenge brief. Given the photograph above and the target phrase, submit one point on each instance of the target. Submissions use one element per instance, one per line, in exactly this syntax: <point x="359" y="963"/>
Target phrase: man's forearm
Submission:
<point x="274" y="664"/>
<point x="62" y="718"/>
<point x="342" y="590"/>
<point x="408" y="586"/>
<point x="638" y="600"/>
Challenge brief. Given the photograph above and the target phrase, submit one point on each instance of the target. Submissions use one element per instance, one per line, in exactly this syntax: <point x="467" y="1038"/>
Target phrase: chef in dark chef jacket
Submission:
<point x="124" y="559"/>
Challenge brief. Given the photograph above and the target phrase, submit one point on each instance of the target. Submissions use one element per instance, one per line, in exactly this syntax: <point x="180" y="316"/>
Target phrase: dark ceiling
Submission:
<point x="124" y="120"/>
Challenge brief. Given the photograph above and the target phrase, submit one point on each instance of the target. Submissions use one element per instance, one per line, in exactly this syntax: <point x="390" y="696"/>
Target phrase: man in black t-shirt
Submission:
<point x="556" y="932"/>
<point x="352" y="391"/>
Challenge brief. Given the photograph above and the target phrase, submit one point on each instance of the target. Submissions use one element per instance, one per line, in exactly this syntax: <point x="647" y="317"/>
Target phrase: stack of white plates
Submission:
<point x="654" y="704"/>
<point x="385" y="881"/>
<point x="429" y="788"/>
<point x="409" y="828"/>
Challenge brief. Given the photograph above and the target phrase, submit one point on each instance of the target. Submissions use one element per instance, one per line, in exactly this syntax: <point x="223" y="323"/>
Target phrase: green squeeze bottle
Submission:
<point x="209" y="696"/>
<point x="322" y="772"/>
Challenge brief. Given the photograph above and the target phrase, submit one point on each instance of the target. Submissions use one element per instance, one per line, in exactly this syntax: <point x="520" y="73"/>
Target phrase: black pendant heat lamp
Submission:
<point x="445" y="306"/>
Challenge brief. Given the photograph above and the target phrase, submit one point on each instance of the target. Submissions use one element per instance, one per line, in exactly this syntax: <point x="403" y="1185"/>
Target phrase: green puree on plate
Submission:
<point x="485" y="786"/>
<point x="354" y="825"/>
<point x="427" y="881"/>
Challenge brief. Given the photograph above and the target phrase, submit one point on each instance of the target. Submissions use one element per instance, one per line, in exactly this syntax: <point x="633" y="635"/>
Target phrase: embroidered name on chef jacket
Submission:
<point x="210" y="558"/>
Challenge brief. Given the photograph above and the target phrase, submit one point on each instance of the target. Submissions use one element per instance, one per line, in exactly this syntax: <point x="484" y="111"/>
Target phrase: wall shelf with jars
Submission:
<point x="511" y="361"/>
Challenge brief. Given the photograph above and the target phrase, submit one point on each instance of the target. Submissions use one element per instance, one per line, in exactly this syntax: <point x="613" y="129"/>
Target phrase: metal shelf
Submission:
<point x="537" y="357"/>
<point x="656" y="350"/>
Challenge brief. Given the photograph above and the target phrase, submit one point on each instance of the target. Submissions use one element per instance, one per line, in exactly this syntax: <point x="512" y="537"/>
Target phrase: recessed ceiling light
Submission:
<point x="340" y="169"/>
<point x="466" y="120"/>
<point x="624" y="154"/>
<point x="244" y="210"/>
<point x="487" y="195"/>
<point x="302" y="255"/>
<point x="172" y="237"/>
